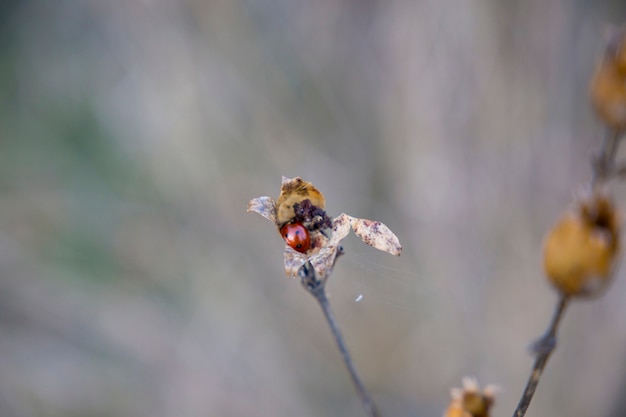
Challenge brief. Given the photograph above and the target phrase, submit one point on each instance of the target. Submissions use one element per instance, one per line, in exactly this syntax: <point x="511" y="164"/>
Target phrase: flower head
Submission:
<point x="581" y="250"/>
<point x="470" y="401"/>
<point x="300" y="204"/>
<point x="608" y="85"/>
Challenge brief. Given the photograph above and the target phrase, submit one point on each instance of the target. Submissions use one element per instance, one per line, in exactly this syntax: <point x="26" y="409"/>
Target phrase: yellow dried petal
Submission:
<point x="294" y="191"/>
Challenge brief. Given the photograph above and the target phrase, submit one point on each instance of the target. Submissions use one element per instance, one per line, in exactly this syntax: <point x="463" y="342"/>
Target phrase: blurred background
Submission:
<point x="133" y="133"/>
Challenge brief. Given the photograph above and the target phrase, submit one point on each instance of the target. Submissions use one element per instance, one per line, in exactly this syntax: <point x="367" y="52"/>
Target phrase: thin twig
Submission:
<point x="603" y="165"/>
<point x="543" y="348"/>
<point x="317" y="289"/>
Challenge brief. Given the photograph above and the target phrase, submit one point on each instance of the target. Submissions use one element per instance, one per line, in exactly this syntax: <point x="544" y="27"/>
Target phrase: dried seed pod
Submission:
<point x="470" y="401"/>
<point x="608" y="85"/>
<point x="581" y="250"/>
<point x="616" y="47"/>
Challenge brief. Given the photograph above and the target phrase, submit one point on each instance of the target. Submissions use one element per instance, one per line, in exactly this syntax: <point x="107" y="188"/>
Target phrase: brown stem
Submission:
<point x="543" y="348"/>
<point x="604" y="167"/>
<point x="603" y="164"/>
<point x="317" y="289"/>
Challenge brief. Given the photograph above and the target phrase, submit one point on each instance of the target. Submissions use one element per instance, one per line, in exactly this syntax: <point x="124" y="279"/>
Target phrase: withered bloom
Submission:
<point x="470" y="401"/>
<point x="582" y="249"/>
<point x="301" y="204"/>
<point x="608" y="85"/>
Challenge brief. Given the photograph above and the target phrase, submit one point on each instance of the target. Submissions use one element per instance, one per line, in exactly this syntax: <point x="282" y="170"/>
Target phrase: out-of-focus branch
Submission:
<point x="604" y="168"/>
<point x="543" y="348"/>
<point x="603" y="165"/>
<point x="317" y="288"/>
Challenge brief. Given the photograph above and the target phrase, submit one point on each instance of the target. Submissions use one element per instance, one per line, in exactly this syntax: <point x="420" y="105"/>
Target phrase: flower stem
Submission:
<point x="317" y="288"/>
<point x="603" y="165"/>
<point x="543" y="348"/>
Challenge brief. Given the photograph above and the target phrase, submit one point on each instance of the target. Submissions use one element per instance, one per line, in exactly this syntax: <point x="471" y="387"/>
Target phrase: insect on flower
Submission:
<point x="310" y="234"/>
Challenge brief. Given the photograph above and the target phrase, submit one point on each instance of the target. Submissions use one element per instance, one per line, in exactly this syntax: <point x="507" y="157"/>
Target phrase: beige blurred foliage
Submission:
<point x="132" y="134"/>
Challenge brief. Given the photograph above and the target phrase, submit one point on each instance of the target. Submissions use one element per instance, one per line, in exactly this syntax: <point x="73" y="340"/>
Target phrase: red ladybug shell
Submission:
<point x="296" y="236"/>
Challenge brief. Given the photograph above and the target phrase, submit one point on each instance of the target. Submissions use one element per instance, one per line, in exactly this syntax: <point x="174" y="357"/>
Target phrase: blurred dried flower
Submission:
<point x="608" y="85"/>
<point x="300" y="202"/>
<point x="470" y="401"/>
<point x="581" y="250"/>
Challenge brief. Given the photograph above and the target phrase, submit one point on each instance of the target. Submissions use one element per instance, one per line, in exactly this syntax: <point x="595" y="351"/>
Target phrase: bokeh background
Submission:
<point x="133" y="133"/>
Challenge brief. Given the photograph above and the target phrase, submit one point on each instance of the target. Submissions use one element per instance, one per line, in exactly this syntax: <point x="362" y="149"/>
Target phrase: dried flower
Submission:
<point x="470" y="401"/>
<point x="300" y="203"/>
<point x="608" y="85"/>
<point x="581" y="250"/>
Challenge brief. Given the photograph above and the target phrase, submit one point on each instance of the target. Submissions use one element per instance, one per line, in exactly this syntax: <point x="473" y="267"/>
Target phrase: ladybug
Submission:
<point x="296" y="236"/>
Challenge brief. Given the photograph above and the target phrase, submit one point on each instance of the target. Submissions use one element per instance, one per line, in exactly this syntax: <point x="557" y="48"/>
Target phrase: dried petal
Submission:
<point x="324" y="260"/>
<point x="293" y="262"/>
<point x="265" y="206"/>
<point x="294" y="191"/>
<point x="341" y="228"/>
<point x="377" y="235"/>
